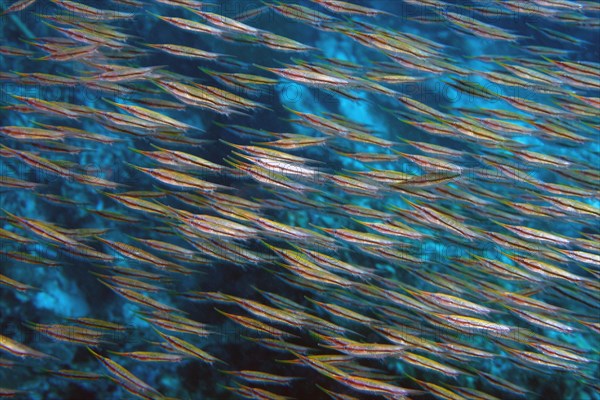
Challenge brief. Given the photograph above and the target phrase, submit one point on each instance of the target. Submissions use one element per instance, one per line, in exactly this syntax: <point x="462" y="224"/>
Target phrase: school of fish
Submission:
<point x="364" y="236"/>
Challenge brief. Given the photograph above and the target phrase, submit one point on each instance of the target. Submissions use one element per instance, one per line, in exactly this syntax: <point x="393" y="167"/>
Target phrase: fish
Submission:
<point x="302" y="199"/>
<point x="18" y="349"/>
<point x="17" y="6"/>
<point x="124" y="376"/>
<point x="187" y="348"/>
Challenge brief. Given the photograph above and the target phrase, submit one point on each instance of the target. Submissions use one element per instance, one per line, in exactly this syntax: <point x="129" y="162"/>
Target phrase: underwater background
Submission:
<point x="306" y="199"/>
